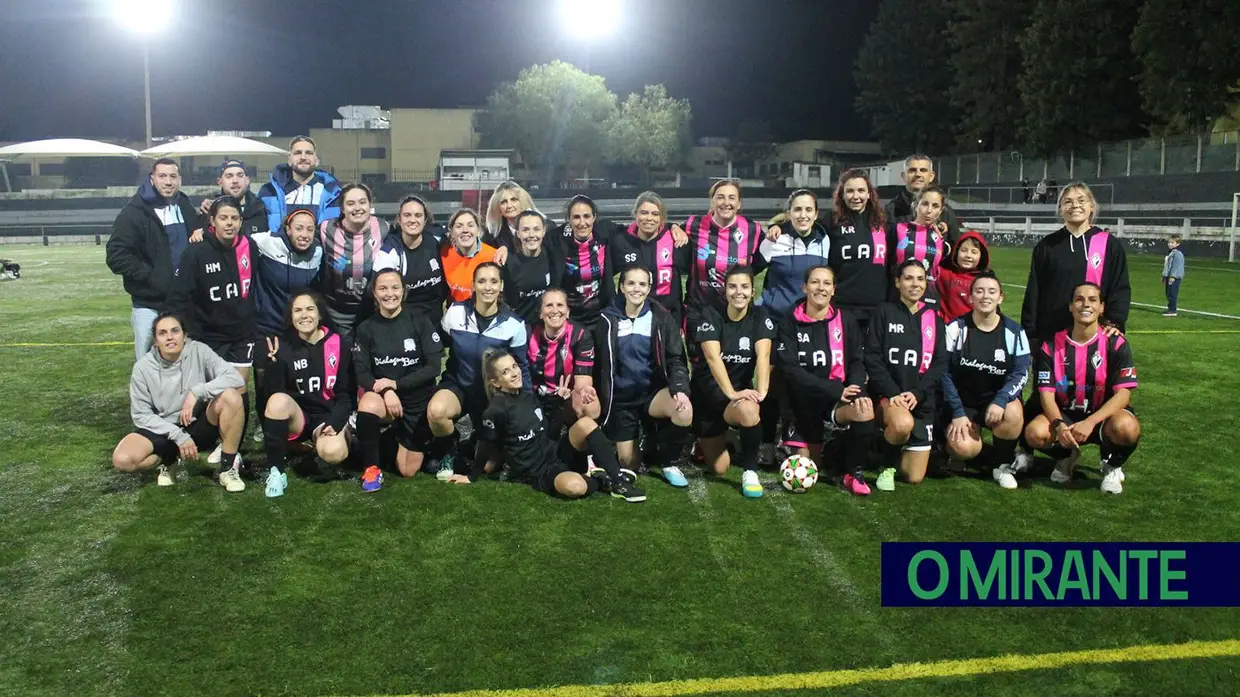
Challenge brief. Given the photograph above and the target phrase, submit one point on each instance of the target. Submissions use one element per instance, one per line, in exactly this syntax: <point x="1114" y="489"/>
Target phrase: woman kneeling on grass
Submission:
<point x="905" y="359"/>
<point x="1085" y="381"/>
<point x="397" y="355"/>
<point x="307" y="380"/>
<point x="182" y="398"/>
<point x="731" y="377"/>
<point x="514" y="425"/>
<point x="987" y="368"/>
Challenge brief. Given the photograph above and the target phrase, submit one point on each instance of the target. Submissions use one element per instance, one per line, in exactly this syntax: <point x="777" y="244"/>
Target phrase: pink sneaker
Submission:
<point x="856" y="485"/>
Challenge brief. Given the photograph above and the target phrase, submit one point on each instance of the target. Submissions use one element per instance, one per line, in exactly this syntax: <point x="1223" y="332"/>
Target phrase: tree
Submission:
<point x="650" y="130"/>
<point x="751" y="143"/>
<point x="986" y="61"/>
<point x="1077" y="87"/>
<point x="904" y="76"/>
<point x="553" y="114"/>
<point x="1190" y="60"/>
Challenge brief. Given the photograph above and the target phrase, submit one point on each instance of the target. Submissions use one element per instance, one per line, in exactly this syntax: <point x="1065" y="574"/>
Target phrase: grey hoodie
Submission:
<point x="157" y="388"/>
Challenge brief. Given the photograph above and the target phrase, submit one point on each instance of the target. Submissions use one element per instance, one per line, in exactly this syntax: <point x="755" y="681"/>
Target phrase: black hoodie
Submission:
<point x="214" y="291"/>
<point x="139" y="250"/>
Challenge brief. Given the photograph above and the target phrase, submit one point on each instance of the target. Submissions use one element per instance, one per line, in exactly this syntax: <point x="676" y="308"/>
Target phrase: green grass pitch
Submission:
<point x="112" y="586"/>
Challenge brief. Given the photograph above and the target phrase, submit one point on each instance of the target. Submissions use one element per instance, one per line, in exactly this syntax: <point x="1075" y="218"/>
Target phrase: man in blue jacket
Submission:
<point x="148" y="238"/>
<point x="300" y="185"/>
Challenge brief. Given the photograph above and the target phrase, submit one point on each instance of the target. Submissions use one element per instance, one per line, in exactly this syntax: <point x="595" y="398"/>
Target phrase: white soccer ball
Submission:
<point x="798" y="473"/>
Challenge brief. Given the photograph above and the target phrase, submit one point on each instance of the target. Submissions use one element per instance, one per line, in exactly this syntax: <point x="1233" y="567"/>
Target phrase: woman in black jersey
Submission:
<point x="513" y="425"/>
<point x="587" y="270"/>
<point x="860" y="245"/>
<point x="905" y="357"/>
<point x="661" y="247"/>
<point x="214" y="292"/>
<point x="308" y="383"/>
<point x="821" y="352"/>
<point x="413" y="250"/>
<point x="397" y="354"/>
<point x="641" y="373"/>
<point x="731" y="377"/>
<point x="532" y="268"/>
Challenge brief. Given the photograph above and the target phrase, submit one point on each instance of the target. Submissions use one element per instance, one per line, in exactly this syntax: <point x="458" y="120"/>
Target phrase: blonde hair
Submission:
<point x="722" y="183"/>
<point x="495" y="221"/>
<point x="1089" y="194"/>
<point x="490" y="357"/>
<point x="650" y="197"/>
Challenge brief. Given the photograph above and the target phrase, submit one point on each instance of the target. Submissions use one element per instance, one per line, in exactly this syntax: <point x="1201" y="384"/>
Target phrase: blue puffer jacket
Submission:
<point x="282" y="195"/>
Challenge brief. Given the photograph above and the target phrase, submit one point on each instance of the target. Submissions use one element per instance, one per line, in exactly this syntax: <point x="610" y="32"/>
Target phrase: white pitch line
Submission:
<point x="1159" y="307"/>
<point x="700" y="497"/>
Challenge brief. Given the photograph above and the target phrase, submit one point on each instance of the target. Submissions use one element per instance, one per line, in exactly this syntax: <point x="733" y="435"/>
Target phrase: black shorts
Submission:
<point x="925" y="420"/>
<point x="808" y="424"/>
<point x="625" y="421"/>
<point x="472" y="403"/>
<point x="241" y="353"/>
<point x="204" y="434"/>
<point x="545" y="480"/>
<point x="709" y="404"/>
<point x="313" y="421"/>
<point x="1033" y="407"/>
<point x="977" y="416"/>
<point x="413" y="431"/>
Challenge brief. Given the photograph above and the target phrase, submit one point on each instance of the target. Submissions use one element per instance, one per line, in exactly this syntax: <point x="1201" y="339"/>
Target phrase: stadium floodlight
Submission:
<point x="589" y="19"/>
<point x="145" y="18"/>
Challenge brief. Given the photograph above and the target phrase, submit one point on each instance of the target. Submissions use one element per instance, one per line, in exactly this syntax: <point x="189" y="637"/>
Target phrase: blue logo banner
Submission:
<point x="1067" y="574"/>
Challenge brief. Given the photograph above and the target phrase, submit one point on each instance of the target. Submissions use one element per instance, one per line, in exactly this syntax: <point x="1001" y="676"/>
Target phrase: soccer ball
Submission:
<point x="798" y="473"/>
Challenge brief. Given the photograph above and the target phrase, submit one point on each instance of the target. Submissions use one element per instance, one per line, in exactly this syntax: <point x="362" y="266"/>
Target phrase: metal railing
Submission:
<point x="1187" y="154"/>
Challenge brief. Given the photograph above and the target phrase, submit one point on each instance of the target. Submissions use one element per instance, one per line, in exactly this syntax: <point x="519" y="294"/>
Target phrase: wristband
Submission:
<point x="386" y="390"/>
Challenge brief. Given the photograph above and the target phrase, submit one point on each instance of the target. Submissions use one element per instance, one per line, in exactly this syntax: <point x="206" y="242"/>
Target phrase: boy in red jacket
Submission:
<point x="955" y="282"/>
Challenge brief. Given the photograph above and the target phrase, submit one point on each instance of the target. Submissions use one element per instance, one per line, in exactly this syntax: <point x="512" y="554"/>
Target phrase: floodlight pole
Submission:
<point x="146" y="84"/>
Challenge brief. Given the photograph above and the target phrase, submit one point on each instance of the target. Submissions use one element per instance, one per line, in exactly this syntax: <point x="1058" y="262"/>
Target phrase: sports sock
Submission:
<point x="670" y="443"/>
<point x="368" y="436"/>
<point x="604" y="453"/>
<point x="1114" y="456"/>
<point x="858" y="440"/>
<point x="751" y="438"/>
<point x="227" y="460"/>
<point x="245" y="415"/>
<point x="1004" y="451"/>
<point x="275" y="442"/>
<point x="769" y="412"/>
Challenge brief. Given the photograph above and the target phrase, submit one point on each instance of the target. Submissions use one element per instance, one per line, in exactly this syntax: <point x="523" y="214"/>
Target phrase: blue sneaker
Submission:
<point x="751" y="486"/>
<point x="446" y="468"/>
<point x="372" y="479"/>
<point x="675" y="477"/>
<point x="277" y="482"/>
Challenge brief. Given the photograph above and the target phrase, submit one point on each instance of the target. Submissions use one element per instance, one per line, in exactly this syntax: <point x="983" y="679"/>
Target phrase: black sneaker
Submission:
<point x="624" y="489"/>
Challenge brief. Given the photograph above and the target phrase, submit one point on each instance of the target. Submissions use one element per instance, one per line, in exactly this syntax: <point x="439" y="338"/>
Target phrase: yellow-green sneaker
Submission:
<point x="886" y="479"/>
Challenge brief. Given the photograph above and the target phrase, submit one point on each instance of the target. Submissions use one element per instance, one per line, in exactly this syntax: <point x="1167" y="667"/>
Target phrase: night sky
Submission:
<point x="68" y="68"/>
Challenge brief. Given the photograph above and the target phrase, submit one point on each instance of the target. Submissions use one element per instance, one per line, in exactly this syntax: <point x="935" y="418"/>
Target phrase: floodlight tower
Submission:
<point x="144" y="18"/>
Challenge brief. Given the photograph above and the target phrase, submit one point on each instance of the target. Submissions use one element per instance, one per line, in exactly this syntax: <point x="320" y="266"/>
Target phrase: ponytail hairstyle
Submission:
<point x="568" y="210"/>
<point x="221" y="203"/>
<point x="430" y="217"/>
<point x="490" y="357"/>
<point x="500" y="302"/>
<point x="929" y="189"/>
<point x="651" y="197"/>
<point x="843" y="215"/>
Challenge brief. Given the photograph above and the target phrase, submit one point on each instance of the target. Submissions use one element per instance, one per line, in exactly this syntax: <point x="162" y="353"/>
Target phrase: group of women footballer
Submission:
<point x="873" y="342"/>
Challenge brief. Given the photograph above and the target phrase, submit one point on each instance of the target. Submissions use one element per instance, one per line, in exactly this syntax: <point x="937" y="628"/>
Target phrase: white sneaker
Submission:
<point x="230" y="479"/>
<point x="216" y="455"/>
<point x="1004" y="475"/>
<point x="1023" y="461"/>
<point x="164" y="478"/>
<point x="1112" y="481"/>
<point x="1064" y="468"/>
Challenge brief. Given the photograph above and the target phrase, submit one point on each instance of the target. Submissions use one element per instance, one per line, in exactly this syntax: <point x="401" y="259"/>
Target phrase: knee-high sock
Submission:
<point x="275" y="442"/>
<point x="670" y="442"/>
<point x="858" y="440"/>
<point x="769" y="414"/>
<point x="1004" y="450"/>
<point x="261" y="396"/>
<point x="245" y="421"/>
<point x="368" y="436"/>
<point x="604" y="453"/>
<point x="1114" y="456"/>
<point x="751" y="438"/>
<point x="1056" y="451"/>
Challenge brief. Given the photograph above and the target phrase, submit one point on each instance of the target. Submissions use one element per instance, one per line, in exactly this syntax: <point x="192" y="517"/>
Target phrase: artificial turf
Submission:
<point x="112" y="586"/>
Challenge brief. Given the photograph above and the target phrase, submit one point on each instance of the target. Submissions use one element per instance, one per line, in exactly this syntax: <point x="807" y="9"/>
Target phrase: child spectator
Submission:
<point x="1173" y="274"/>
<point x="955" y="280"/>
